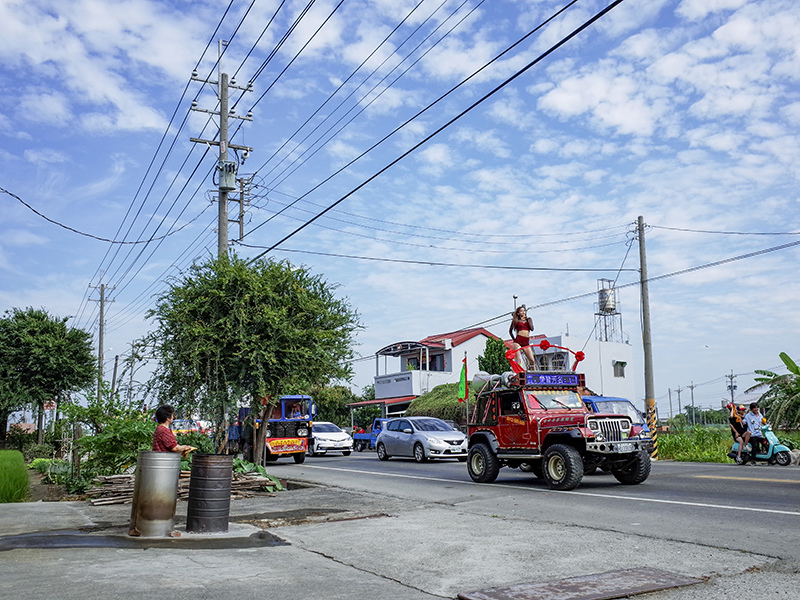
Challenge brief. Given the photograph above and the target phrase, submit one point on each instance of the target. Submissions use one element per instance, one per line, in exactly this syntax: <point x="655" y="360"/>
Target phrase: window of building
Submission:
<point x="619" y="368"/>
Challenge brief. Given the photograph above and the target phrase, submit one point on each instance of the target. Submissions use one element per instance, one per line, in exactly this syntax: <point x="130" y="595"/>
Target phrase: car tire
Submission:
<point x="419" y="453"/>
<point x="482" y="464"/>
<point x="783" y="458"/>
<point x="635" y="472"/>
<point x="299" y="458"/>
<point x="269" y="457"/>
<point x="346" y="453"/>
<point x="382" y="455"/>
<point x="562" y="467"/>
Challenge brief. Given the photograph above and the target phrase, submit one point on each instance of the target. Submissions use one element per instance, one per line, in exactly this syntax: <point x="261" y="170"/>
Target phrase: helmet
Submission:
<point x="741" y="407"/>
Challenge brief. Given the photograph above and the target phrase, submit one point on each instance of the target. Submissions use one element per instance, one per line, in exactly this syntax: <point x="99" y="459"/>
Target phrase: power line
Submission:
<point x="725" y="232"/>
<point x="445" y="264"/>
<point x="454" y="119"/>
<point x="94" y="237"/>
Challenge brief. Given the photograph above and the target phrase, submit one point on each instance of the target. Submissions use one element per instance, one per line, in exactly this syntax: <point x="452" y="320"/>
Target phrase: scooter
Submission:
<point x="775" y="453"/>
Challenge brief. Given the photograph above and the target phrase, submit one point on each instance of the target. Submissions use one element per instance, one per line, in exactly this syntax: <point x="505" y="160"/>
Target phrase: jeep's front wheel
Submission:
<point x="634" y="472"/>
<point x="482" y="465"/>
<point x="562" y="467"/>
<point x="300" y="458"/>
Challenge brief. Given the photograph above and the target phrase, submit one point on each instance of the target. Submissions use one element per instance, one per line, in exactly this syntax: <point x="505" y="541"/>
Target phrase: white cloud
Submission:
<point x="694" y="10"/>
<point x="484" y="141"/>
<point x="435" y="158"/>
<point x="45" y="156"/>
<point x="51" y="108"/>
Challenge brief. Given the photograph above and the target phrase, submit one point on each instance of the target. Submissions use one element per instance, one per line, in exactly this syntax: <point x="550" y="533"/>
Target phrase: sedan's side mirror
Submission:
<point x="407" y="431"/>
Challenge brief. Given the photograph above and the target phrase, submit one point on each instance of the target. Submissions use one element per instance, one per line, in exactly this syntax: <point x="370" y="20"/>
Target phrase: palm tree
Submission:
<point x="782" y="397"/>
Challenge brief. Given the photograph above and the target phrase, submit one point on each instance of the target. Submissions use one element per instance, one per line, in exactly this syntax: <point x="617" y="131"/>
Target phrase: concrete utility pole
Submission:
<point x="102" y="288"/>
<point x="691" y="389"/>
<point x="226" y="169"/>
<point x="649" y="386"/>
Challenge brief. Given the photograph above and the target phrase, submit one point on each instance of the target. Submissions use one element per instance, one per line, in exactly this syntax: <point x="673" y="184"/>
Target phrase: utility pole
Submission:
<point x="102" y="289"/>
<point x="226" y="169"/>
<point x="244" y="197"/>
<point x="694" y="419"/>
<point x="669" y="392"/>
<point x="731" y="385"/>
<point x="680" y="408"/>
<point x="649" y="386"/>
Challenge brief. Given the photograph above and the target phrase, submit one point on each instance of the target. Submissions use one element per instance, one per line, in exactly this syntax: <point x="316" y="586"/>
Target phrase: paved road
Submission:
<point x="403" y="531"/>
<point x="727" y="506"/>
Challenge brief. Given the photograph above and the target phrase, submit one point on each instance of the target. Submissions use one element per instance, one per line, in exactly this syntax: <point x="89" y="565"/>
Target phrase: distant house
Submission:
<point x="406" y="370"/>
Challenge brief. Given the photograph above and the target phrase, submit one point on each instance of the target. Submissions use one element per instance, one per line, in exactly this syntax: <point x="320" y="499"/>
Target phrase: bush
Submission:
<point x="697" y="444"/>
<point x="116" y="448"/>
<point x="441" y="402"/>
<point x="202" y="442"/>
<point x="13" y="477"/>
<point x="34" y="451"/>
<point x="54" y="470"/>
<point x="17" y="438"/>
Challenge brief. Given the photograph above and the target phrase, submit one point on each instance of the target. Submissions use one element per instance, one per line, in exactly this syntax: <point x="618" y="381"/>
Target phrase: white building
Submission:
<point x="607" y="365"/>
<point x="406" y="370"/>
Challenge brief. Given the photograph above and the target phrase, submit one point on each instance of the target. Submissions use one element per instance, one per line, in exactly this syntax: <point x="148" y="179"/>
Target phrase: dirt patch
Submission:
<point x="38" y="490"/>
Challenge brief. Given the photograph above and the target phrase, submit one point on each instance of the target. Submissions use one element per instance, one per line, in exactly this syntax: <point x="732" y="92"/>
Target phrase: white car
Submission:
<point x="327" y="437"/>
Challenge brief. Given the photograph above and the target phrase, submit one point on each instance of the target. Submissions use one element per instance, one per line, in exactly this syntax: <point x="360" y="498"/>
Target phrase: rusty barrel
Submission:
<point x="209" y="493"/>
<point x="155" y="493"/>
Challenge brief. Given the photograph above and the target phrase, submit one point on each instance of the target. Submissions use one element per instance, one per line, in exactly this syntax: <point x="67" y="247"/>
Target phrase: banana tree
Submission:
<point x="782" y="398"/>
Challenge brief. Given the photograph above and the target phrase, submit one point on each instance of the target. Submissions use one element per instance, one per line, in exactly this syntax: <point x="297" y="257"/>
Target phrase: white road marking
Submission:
<point x="571" y="492"/>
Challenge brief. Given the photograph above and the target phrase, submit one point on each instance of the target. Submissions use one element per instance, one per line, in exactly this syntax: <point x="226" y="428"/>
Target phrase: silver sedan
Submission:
<point x="421" y="438"/>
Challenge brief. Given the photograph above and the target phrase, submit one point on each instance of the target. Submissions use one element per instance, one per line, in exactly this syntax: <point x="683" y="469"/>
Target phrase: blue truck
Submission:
<point x="619" y="406"/>
<point x="362" y="441"/>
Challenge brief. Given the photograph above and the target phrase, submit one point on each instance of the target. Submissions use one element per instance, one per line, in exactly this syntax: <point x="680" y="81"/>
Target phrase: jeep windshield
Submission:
<point x="547" y="399"/>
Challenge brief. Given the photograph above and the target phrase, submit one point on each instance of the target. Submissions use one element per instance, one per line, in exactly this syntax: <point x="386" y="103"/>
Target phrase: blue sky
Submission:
<point x="685" y="112"/>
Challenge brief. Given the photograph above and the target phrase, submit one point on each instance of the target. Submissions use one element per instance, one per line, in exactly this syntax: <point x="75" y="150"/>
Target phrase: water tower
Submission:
<point x="609" y="319"/>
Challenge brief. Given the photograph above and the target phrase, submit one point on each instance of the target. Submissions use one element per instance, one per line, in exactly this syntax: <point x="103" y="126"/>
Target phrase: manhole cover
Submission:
<point x="614" y="584"/>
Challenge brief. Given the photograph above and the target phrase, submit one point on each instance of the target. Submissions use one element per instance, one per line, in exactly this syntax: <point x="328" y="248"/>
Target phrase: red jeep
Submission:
<point x="536" y="420"/>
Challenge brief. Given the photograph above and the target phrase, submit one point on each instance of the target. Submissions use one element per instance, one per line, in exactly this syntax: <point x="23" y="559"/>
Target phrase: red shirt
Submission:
<point x="163" y="439"/>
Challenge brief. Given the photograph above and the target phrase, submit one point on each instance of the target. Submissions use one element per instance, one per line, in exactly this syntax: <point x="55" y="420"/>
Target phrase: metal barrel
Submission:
<point x="155" y="493"/>
<point x="209" y="493"/>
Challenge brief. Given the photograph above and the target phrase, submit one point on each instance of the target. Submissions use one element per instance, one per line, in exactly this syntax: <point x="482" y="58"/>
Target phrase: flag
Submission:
<point x="463" y="387"/>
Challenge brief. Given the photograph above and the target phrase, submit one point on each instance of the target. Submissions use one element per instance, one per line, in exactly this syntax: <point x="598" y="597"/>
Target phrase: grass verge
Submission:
<point x="13" y="477"/>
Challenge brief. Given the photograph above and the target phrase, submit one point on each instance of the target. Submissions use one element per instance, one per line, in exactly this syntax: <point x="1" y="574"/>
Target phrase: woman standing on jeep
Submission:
<point x="520" y="331"/>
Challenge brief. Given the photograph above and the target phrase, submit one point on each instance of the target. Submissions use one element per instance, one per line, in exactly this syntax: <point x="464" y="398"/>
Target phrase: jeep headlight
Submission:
<point x="302" y="432"/>
<point x="626" y="425"/>
<point x="594" y="425"/>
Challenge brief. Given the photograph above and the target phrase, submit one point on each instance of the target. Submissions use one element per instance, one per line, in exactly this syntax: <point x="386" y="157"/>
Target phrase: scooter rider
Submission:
<point x="753" y="421"/>
<point x="738" y="429"/>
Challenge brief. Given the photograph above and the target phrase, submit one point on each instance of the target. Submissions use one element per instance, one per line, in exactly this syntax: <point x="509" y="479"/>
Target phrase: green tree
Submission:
<point x="42" y="359"/>
<point x="782" y="398"/>
<point x="229" y="331"/>
<point x="332" y="403"/>
<point x="494" y="360"/>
